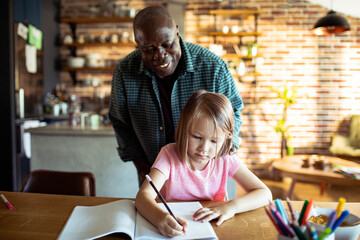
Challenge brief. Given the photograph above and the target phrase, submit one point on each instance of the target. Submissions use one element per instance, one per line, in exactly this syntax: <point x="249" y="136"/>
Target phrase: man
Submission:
<point x="151" y="85"/>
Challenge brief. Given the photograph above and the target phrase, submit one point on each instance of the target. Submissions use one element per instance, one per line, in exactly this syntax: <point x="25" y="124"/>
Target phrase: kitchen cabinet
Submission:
<point x="75" y="44"/>
<point x="236" y="30"/>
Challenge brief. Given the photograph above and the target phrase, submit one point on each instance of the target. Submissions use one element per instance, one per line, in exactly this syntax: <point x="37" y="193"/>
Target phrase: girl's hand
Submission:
<point x="222" y="212"/>
<point x="169" y="227"/>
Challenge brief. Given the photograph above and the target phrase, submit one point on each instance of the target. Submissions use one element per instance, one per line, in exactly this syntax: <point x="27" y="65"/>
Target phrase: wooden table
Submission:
<point x="42" y="216"/>
<point x="290" y="166"/>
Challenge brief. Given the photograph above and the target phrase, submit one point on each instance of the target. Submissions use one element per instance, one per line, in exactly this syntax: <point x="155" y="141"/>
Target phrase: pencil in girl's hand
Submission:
<point x="161" y="198"/>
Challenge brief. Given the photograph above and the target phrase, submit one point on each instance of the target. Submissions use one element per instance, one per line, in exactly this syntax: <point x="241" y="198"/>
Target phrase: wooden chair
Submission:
<point x="58" y="182"/>
<point x="348" y="147"/>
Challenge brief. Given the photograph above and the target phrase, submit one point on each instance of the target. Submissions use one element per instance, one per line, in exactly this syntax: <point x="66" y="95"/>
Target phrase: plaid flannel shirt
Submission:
<point x="135" y="109"/>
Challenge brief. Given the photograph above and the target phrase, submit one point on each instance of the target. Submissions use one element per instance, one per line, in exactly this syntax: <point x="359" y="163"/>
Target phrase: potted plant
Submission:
<point x="287" y="95"/>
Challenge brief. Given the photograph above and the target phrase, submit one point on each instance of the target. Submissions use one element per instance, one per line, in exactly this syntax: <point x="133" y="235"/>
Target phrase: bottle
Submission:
<point x="74" y="111"/>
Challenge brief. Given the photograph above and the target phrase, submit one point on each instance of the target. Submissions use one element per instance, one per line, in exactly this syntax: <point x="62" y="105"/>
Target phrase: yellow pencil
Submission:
<point x="340" y="206"/>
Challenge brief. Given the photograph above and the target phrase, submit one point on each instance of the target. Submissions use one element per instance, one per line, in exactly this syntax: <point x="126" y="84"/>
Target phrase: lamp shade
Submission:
<point x="331" y="23"/>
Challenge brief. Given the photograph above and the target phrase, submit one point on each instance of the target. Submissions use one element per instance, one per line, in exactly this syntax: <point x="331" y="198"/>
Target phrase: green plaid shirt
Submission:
<point x="135" y="108"/>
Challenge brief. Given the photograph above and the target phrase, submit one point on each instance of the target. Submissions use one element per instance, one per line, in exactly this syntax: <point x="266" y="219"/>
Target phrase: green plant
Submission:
<point x="288" y="96"/>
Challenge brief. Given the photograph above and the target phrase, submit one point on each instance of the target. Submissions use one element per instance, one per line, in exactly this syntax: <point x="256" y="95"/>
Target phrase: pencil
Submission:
<point x="307" y="212"/>
<point x="331" y="219"/>
<point x="340" y="206"/>
<point x="161" y="198"/>
<point x="291" y="209"/>
<point x="340" y="219"/>
<point x="282" y="210"/>
<point x="273" y="220"/>
<point x="303" y="211"/>
<point x="6" y="202"/>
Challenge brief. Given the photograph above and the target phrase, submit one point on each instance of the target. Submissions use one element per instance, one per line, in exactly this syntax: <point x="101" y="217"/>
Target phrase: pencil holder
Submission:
<point x="349" y="232"/>
<point x="329" y="237"/>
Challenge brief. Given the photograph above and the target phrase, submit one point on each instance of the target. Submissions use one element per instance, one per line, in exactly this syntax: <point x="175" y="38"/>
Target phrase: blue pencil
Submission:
<point x="338" y="221"/>
<point x="312" y="231"/>
<point x="282" y="211"/>
<point x="331" y="219"/>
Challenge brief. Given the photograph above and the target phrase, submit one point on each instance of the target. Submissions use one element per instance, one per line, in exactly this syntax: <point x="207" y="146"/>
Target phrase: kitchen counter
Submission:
<point x="63" y="128"/>
<point x="61" y="147"/>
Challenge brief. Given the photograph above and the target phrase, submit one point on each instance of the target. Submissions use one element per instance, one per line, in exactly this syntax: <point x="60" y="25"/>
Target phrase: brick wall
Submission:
<point x="325" y="69"/>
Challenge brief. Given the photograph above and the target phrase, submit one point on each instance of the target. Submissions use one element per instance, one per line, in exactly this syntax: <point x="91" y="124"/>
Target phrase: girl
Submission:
<point x="197" y="166"/>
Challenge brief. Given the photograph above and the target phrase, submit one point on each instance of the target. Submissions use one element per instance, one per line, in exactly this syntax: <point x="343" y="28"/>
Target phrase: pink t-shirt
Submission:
<point x="185" y="184"/>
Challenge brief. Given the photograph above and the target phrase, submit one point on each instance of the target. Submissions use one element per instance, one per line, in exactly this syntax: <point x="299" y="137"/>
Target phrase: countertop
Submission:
<point x="63" y="128"/>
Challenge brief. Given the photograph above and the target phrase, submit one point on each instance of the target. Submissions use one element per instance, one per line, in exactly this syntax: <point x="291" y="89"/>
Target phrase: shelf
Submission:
<point x="73" y="23"/>
<point x="234" y="12"/>
<point x="239" y="34"/>
<point x="234" y="58"/>
<point x="99" y="44"/>
<point x="97" y="20"/>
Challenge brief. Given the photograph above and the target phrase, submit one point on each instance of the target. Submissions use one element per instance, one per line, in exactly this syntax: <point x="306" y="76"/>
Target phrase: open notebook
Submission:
<point x="121" y="217"/>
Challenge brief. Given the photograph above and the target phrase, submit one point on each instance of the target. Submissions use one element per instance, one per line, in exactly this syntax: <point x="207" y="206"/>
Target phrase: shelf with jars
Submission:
<point x="235" y="31"/>
<point x="75" y="41"/>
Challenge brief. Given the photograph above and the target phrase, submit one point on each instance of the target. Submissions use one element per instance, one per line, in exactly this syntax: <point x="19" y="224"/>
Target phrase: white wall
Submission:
<point x="348" y="7"/>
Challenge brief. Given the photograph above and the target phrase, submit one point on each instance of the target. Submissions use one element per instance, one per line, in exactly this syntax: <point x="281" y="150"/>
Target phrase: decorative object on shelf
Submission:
<point x="239" y="41"/>
<point x="94" y="60"/>
<point x="225" y="29"/>
<point x="94" y="41"/>
<point x="76" y="62"/>
<point x="68" y="39"/>
<point x="241" y="68"/>
<point x="253" y="50"/>
<point x="332" y="23"/>
<point x="288" y="96"/>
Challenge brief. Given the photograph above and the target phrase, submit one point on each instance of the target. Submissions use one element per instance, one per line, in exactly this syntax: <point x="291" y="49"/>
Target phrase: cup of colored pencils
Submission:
<point x="293" y="225"/>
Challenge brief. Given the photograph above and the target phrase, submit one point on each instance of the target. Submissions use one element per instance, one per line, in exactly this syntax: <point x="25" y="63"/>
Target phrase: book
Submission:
<point x="351" y="172"/>
<point x="91" y="222"/>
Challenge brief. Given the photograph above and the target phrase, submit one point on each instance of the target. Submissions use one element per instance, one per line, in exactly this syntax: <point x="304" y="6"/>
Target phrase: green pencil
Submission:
<point x="303" y="211"/>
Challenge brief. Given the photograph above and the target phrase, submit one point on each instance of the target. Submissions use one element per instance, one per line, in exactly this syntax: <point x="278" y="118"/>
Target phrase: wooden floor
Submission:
<point x="303" y="191"/>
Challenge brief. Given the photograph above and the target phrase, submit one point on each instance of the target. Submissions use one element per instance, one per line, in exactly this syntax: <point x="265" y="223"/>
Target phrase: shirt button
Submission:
<point x="161" y="128"/>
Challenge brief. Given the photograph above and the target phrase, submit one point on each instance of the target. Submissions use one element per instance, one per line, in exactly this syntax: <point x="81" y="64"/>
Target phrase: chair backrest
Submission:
<point x="58" y="182"/>
<point x="355" y="131"/>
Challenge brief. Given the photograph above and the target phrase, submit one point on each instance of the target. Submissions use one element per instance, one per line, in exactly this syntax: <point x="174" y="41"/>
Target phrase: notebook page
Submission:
<point x="97" y="221"/>
<point x="195" y="230"/>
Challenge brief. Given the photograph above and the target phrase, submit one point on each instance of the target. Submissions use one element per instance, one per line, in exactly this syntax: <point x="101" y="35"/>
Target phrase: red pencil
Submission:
<point x="307" y="212"/>
<point x="273" y="221"/>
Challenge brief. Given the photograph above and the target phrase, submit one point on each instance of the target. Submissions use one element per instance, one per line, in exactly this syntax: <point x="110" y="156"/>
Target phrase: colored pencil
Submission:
<point x="303" y="211"/>
<point x="307" y="212"/>
<point x="340" y="219"/>
<point x="340" y="206"/>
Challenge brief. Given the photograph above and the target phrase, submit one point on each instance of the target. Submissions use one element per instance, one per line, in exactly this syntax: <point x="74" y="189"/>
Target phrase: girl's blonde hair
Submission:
<point x="214" y="105"/>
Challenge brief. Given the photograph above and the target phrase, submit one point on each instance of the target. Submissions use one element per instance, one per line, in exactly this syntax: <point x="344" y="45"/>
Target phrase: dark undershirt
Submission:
<point x="165" y="88"/>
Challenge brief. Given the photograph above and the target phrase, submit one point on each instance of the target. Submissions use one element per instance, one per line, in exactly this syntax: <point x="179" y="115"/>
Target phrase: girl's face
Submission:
<point x="204" y="142"/>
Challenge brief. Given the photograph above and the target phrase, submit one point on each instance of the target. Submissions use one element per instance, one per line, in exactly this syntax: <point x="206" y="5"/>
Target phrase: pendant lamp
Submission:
<point x="331" y="23"/>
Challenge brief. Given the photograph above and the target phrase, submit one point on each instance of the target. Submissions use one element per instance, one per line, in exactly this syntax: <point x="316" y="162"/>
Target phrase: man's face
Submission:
<point x="159" y="46"/>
